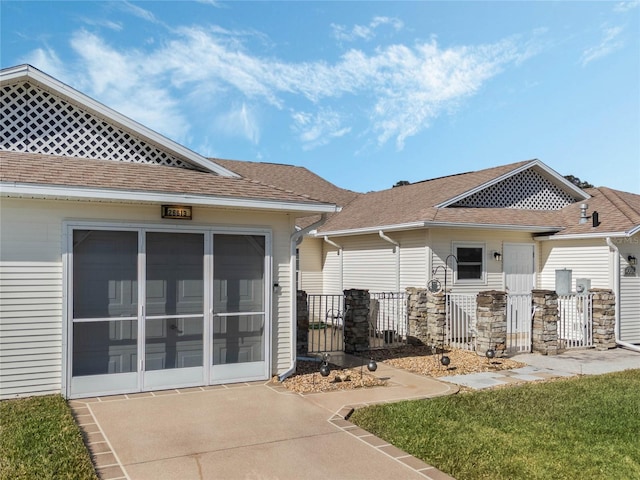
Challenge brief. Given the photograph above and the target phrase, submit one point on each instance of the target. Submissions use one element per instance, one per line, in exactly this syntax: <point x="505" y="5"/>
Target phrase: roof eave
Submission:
<point x="584" y="236"/>
<point x="427" y="224"/>
<point x="28" y="72"/>
<point x="54" y="192"/>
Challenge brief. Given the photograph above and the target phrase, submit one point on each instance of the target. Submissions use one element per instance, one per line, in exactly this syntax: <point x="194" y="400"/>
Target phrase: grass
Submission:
<point x="39" y="439"/>
<point x="585" y="427"/>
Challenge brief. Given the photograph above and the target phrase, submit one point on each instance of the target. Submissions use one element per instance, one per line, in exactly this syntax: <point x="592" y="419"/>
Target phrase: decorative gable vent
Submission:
<point x="34" y="120"/>
<point x="525" y="190"/>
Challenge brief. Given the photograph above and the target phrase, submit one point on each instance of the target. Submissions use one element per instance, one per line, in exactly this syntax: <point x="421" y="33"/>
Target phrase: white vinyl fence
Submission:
<point x="461" y="321"/>
<point x="575" y="321"/>
<point x="519" y="322"/>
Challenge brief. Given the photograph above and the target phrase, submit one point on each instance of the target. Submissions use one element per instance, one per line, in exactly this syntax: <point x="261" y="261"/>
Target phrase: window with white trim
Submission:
<point x="470" y="267"/>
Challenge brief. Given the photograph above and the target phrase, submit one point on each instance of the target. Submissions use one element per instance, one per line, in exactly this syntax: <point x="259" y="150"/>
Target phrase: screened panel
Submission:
<point x="105" y="347"/>
<point x="238" y="274"/>
<point x="175" y="274"/>
<point x="105" y="274"/>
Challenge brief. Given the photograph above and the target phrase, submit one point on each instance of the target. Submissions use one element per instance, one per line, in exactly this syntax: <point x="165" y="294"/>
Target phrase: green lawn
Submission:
<point x="580" y="428"/>
<point x="40" y="440"/>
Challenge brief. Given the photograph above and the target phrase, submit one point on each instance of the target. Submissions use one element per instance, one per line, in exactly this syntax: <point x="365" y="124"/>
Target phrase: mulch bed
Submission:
<point x="422" y="360"/>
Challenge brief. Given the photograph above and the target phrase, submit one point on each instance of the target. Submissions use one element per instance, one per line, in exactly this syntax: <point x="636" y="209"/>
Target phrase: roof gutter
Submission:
<point x="294" y="241"/>
<point x="582" y="236"/>
<point x="396" y="250"/>
<point x="427" y="224"/>
<point x="616" y="292"/>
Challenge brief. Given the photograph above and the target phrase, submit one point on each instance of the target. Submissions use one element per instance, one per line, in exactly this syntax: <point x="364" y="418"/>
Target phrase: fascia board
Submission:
<point x="122" y="196"/>
<point x="368" y="230"/>
<point x="24" y="72"/>
<point x="414" y="225"/>
<point x="586" y="236"/>
<point x="534" y="163"/>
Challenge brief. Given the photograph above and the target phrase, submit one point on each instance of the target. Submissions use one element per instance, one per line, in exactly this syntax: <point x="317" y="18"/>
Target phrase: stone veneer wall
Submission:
<point x="544" y="333"/>
<point x="604" y="318"/>
<point x="302" y="320"/>
<point x="491" y="322"/>
<point x="427" y="317"/>
<point x="356" y="320"/>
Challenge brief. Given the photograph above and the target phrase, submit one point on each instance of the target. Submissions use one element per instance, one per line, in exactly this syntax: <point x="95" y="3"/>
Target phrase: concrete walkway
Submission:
<point x="261" y="431"/>
<point x="249" y="431"/>
<point x="541" y="367"/>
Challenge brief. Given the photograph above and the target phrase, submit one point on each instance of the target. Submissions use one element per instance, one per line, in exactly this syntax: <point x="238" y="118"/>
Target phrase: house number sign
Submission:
<point x="180" y="212"/>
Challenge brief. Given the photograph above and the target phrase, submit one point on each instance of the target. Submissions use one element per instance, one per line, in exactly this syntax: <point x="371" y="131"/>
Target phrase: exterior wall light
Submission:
<point x="497" y="256"/>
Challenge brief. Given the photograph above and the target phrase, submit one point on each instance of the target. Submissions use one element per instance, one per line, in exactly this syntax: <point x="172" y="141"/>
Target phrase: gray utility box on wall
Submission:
<point x="563" y="281"/>
<point x="583" y="285"/>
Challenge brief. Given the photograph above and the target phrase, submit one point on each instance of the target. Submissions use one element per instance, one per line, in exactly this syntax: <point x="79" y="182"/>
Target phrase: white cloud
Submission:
<point x="364" y="32"/>
<point x="623" y="7"/>
<point x="397" y="90"/>
<point x="607" y="45"/>
<point x="317" y="129"/>
<point x="123" y="82"/>
<point x="138" y="11"/>
<point x="240" y="122"/>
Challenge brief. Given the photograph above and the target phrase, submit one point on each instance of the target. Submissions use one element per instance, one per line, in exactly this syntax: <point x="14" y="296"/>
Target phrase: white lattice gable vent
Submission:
<point x="35" y="120"/>
<point x="525" y="190"/>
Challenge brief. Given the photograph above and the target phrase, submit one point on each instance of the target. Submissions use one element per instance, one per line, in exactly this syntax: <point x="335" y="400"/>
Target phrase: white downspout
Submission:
<point x="294" y="241"/>
<point x="397" y="252"/>
<point x="616" y="292"/>
<point x="340" y="254"/>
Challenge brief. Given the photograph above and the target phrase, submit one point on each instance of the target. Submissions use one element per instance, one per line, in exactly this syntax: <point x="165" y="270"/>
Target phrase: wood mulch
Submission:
<point x="417" y="359"/>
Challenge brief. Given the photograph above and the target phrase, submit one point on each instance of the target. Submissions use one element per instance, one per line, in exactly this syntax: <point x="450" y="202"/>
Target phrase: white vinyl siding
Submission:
<point x="413" y="258"/>
<point x="629" y="290"/>
<point x="31" y="318"/>
<point x="585" y="258"/>
<point x="444" y="242"/>
<point x="331" y="270"/>
<point x="311" y="265"/>
<point x="369" y="263"/>
<point x="30" y="328"/>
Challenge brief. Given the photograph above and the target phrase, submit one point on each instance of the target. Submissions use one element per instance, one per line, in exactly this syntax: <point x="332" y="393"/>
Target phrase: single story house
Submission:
<point x="129" y="262"/>
<point x="509" y="228"/>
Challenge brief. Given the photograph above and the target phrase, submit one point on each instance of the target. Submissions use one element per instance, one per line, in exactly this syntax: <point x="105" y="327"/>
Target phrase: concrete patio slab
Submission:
<point x="254" y="431"/>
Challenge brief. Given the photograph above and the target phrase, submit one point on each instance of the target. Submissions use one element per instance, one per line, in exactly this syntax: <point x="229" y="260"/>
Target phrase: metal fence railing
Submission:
<point x="461" y="321"/>
<point x="388" y="319"/>
<point x="326" y="323"/>
<point x="575" y="321"/>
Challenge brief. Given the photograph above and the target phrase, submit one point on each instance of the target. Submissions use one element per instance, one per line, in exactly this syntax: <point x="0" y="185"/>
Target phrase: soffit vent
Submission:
<point x="34" y="120"/>
<point x="526" y="190"/>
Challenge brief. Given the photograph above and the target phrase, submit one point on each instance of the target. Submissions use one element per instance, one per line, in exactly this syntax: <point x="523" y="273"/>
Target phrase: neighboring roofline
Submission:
<point x="533" y="163"/>
<point x="427" y="224"/>
<point x="24" y="72"/>
<point x="586" y="236"/>
<point x="21" y="190"/>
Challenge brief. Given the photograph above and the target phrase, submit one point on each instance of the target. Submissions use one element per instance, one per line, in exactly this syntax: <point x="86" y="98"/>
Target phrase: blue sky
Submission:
<point x="362" y="93"/>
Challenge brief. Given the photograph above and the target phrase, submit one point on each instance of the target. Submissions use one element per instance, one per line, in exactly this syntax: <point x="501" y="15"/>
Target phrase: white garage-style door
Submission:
<point x="152" y="309"/>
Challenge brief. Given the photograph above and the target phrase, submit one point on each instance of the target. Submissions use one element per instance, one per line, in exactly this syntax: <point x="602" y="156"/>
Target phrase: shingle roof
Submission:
<point x="617" y="212"/>
<point x="415" y="204"/>
<point x="41" y="169"/>
<point x="294" y="179"/>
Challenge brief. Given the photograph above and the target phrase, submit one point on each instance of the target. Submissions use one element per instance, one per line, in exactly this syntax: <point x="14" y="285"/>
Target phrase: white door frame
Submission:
<point x="108" y="383"/>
